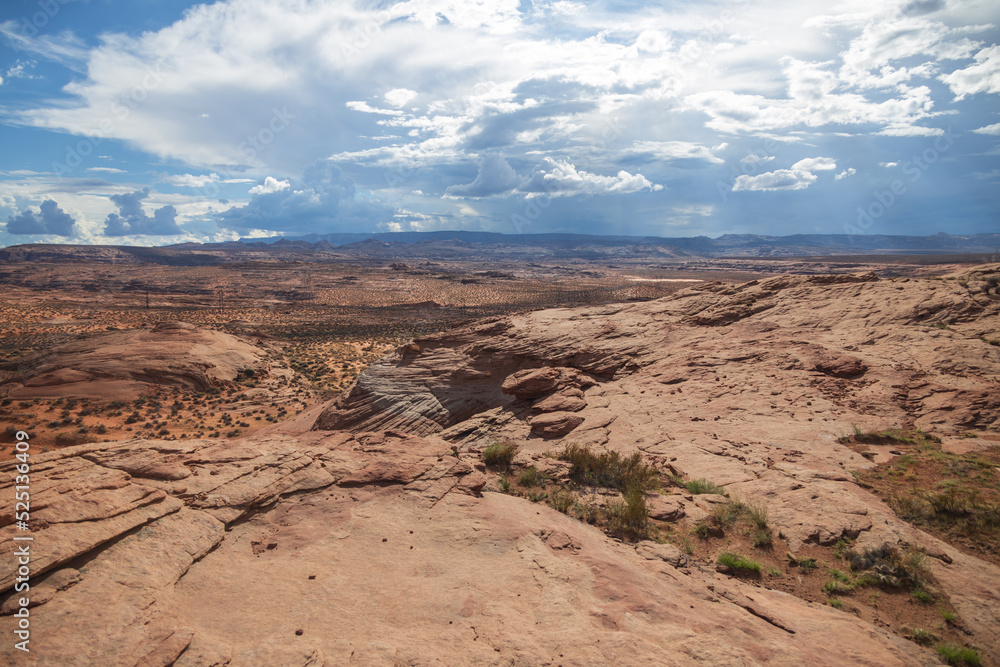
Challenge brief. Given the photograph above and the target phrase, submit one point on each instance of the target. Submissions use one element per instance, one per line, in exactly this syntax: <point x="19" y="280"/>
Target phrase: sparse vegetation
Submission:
<point x="609" y="469"/>
<point x="739" y="563"/>
<point x="700" y="486"/>
<point x="530" y="477"/>
<point x="959" y="656"/>
<point x="628" y="517"/>
<point x="500" y="454"/>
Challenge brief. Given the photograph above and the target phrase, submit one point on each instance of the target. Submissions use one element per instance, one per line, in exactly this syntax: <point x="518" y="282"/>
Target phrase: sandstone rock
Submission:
<point x="121" y="365"/>
<point x="668" y="553"/>
<point x="664" y="508"/>
<point x="554" y="424"/>
<point x="566" y="400"/>
<point x="531" y="383"/>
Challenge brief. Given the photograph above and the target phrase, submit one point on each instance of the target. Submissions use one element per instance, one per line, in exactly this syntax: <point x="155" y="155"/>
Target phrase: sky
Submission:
<point x="152" y="122"/>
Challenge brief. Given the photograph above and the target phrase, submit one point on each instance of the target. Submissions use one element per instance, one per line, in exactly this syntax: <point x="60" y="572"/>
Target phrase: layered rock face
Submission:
<point x="375" y="538"/>
<point x="122" y="365"/>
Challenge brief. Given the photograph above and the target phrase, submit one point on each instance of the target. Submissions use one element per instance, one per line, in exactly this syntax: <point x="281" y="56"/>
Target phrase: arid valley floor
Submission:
<point x="460" y="461"/>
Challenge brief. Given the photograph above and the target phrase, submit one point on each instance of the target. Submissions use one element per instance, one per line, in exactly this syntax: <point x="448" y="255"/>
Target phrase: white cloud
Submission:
<point x="270" y="185"/>
<point x="989" y="129"/>
<point x="398" y="97"/>
<point x="782" y="179"/>
<point x="107" y="170"/>
<point x="815" y="164"/>
<point x="559" y="178"/>
<point x="910" y="131"/>
<point x="850" y="171"/>
<point x="799" y="177"/>
<point x="981" y="77"/>
<point x="888" y="165"/>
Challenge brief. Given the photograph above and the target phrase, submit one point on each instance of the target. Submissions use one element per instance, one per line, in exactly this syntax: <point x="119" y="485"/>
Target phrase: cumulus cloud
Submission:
<point x="782" y="179"/>
<point x="799" y="177"/>
<point x="324" y="201"/>
<point x="981" y="77"/>
<point x="398" y="97"/>
<point x="850" y="171"/>
<point x="50" y="220"/>
<point x="132" y="220"/>
<point x="270" y="185"/>
<point x="560" y="178"/>
<point x="495" y="177"/>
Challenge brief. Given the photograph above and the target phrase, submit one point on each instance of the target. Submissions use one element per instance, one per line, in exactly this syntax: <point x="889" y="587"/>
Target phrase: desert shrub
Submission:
<point x="762" y="538"/>
<point x="725" y="514"/>
<point x="628" y="517"/>
<point x="739" y="563"/>
<point x="959" y="656"/>
<point x="500" y="454"/>
<point x="923" y="637"/>
<point x="699" y="486"/>
<point x="531" y="477"/>
<point x="757" y="513"/>
<point x="563" y="501"/>
<point x="890" y="566"/>
<point x="608" y="469"/>
<point x="804" y="564"/>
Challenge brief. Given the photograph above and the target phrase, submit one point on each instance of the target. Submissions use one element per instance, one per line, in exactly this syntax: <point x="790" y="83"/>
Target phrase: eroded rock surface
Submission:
<point x="374" y="539"/>
<point x="121" y="365"/>
<point x="373" y="549"/>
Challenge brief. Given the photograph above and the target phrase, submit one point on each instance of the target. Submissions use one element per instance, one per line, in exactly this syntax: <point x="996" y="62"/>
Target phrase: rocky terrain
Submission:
<point x="124" y="365"/>
<point x="377" y="529"/>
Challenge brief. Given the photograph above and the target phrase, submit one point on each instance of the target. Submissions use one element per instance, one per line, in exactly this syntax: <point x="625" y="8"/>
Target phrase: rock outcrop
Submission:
<point x="122" y="365"/>
<point x="329" y="548"/>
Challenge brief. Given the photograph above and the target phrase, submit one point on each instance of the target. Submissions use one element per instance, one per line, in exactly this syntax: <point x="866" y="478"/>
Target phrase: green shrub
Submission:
<point x="608" y="469"/>
<point x="563" y="501"/>
<point x="762" y="538"/>
<point x="700" y="486"/>
<point x="629" y="517"/>
<point x="757" y="512"/>
<point x="960" y="656"/>
<point x="923" y="637"/>
<point x="531" y="477"/>
<point x="500" y="454"/>
<point x="804" y="564"/>
<point x="890" y="566"/>
<point x="739" y="563"/>
<point x="725" y="514"/>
